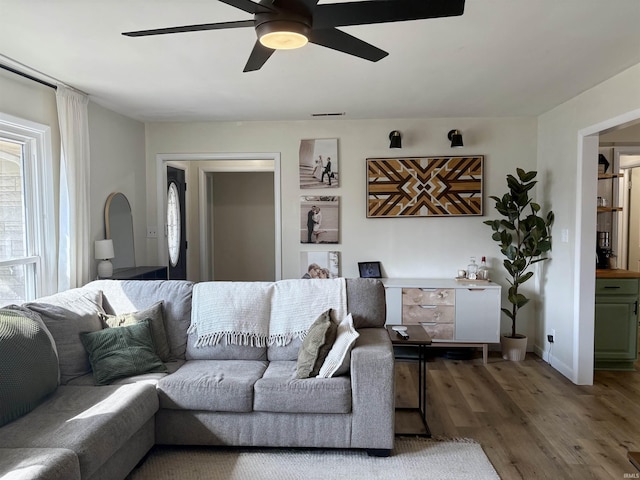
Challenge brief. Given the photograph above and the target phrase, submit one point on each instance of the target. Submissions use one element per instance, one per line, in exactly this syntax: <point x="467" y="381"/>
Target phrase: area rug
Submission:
<point x="412" y="459"/>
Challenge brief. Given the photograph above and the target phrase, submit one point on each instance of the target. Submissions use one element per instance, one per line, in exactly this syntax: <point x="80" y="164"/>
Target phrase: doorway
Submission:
<point x="628" y="159"/>
<point x="201" y="259"/>
<point x="240" y="225"/>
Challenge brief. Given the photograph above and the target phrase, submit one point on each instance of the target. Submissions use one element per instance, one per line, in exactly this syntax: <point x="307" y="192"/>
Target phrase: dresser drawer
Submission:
<point x="616" y="286"/>
<point x="415" y="314"/>
<point x="428" y="296"/>
<point x="439" y="331"/>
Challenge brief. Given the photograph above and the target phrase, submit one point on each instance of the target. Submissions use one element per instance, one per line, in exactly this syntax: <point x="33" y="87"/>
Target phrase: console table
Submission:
<point x="454" y="313"/>
<point x="140" y="273"/>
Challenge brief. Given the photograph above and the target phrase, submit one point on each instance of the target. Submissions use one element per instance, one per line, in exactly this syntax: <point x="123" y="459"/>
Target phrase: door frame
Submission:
<point x="245" y="163"/>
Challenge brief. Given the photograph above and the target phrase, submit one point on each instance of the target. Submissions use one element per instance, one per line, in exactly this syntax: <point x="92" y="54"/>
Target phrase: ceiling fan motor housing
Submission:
<point x="276" y="23"/>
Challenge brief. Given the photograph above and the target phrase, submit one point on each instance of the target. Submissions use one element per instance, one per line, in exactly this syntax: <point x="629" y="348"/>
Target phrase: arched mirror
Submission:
<point x="119" y="227"/>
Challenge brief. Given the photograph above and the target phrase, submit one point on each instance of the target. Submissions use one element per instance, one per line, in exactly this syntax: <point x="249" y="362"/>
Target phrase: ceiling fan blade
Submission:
<point x="383" y="11"/>
<point x="248" y="6"/>
<point x="259" y="55"/>
<point x="191" y="28"/>
<point x="343" y="42"/>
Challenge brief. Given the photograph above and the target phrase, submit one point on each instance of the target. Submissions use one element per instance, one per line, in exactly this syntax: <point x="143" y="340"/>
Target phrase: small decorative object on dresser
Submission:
<point x="524" y="238"/>
<point x="370" y="269"/>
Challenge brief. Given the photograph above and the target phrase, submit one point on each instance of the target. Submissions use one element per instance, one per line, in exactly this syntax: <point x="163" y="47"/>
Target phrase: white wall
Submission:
<point x="568" y="291"/>
<point x="408" y="247"/>
<point x="32" y="101"/>
<point x="117" y="165"/>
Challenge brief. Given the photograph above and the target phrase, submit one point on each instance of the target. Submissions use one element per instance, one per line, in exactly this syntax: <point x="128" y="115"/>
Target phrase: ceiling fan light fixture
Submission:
<point x="283" y="34"/>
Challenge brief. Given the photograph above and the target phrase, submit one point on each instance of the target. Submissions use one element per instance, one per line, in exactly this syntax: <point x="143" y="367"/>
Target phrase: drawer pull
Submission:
<point x="428" y="289"/>
<point x="428" y="307"/>
<point x="428" y="324"/>
<point x="476" y="289"/>
<point x="612" y="287"/>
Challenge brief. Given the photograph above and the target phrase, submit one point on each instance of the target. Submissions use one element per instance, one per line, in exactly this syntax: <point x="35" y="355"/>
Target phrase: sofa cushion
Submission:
<point x="280" y="391"/>
<point x="28" y="365"/>
<point x="121" y="352"/>
<point x="316" y="345"/>
<point x="339" y="358"/>
<point x="40" y="463"/>
<point x="211" y="385"/>
<point x="123" y="296"/>
<point x="66" y="315"/>
<point x="366" y="301"/>
<point x="93" y="422"/>
<point x="156" y="324"/>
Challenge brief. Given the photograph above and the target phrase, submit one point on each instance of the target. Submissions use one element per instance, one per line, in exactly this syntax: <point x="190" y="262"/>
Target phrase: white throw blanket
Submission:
<point x="262" y="313"/>
<point x="296" y="304"/>
<point x="235" y="311"/>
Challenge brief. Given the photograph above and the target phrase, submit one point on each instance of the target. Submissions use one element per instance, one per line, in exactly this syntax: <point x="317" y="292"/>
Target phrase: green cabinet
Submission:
<point x="616" y="324"/>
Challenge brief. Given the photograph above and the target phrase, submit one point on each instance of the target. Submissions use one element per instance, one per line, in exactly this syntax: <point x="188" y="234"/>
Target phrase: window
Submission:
<point x="173" y="224"/>
<point x="27" y="230"/>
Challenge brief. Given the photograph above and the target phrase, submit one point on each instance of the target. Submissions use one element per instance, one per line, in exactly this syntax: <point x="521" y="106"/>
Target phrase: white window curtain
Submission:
<point x="74" y="246"/>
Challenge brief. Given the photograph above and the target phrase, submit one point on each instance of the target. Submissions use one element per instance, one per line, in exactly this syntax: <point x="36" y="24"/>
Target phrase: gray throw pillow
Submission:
<point x="66" y="315"/>
<point x="28" y="365"/>
<point x="156" y="323"/>
<point x="316" y="345"/>
<point x="122" y="352"/>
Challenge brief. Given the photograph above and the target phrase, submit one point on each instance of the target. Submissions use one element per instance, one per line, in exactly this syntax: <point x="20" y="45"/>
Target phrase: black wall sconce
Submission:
<point x="456" y="138"/>
<point x="396" y="139"/>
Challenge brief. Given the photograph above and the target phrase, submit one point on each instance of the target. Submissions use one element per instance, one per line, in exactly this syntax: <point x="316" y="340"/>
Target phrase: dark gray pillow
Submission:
<point x="28" y="365"/>
<point x="156" y="323"/>
<point x="122" y="352"/>
<point x="316" y="345"/>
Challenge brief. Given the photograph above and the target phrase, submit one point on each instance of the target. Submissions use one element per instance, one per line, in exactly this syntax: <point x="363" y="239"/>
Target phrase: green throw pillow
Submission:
<point x="121" y="352"/>
<point x="28" y="365"/>
<point x="316" y="345"/>
<point x="156" y="324"/>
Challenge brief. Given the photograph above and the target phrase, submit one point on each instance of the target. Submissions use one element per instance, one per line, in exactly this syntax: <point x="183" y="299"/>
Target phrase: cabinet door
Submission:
<point x="477" y="315"/>
<point x="615" y="335"/>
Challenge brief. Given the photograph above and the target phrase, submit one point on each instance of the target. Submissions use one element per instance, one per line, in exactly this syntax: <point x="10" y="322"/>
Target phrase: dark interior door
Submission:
<point x="176" y="223"/>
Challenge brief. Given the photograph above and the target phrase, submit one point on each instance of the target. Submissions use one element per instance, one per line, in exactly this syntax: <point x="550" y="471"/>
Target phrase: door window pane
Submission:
<point x="173" y="224"/>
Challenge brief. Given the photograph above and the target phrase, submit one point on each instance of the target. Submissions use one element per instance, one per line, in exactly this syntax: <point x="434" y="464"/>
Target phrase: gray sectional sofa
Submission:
<point x="215" y="385"/>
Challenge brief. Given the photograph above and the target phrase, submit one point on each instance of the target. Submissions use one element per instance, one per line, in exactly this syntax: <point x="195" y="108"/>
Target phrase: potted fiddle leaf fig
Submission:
<point x="524" y="237"/>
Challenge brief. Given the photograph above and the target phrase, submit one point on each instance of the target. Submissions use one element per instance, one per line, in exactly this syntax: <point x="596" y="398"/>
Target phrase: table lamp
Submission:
<point x="104" y="252"/>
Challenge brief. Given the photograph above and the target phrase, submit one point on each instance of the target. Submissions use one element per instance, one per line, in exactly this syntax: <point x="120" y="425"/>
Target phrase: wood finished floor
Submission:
<point x="531" y="421"/>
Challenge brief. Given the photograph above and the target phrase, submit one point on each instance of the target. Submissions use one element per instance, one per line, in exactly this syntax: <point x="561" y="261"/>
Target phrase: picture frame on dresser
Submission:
<point x="370" y="269"/>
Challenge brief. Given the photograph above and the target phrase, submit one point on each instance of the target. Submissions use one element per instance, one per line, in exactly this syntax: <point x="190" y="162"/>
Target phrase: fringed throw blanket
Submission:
<point x="237" y="312"/>
<point x="297" y="303"/>
<point x="261" y="313"/>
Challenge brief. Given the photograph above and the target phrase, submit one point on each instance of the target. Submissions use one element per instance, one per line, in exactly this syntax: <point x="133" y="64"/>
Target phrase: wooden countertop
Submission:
<point x="616" y="273"/>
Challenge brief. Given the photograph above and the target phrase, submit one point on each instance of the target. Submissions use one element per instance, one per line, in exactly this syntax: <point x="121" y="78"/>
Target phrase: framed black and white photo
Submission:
<point x="319" y="219"/>
<point x="319" y="163"/>
<point x="370" y="269"/>
<point x="319" y="264"/>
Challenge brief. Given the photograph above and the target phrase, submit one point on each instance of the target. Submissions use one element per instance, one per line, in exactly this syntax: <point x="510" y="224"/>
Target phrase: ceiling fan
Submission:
<point x="287" y="24"/>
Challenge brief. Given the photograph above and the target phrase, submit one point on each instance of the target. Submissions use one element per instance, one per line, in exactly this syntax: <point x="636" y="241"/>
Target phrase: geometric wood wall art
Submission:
<point x="424" y="186"/>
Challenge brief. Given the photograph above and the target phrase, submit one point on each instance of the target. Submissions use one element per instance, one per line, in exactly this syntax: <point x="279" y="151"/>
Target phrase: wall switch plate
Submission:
<point x="152" y="232"/>
<point x="564" y="235"/>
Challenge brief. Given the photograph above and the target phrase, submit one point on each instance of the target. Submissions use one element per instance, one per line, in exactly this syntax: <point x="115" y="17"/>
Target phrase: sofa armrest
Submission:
<point x="373" y="390"/>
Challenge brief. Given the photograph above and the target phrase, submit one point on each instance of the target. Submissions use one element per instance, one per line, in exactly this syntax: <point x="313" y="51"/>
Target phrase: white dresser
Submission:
<point x="454" y="313"/>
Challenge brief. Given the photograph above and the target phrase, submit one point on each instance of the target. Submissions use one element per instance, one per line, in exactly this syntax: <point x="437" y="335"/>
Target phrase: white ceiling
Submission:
<point x="501" y="58"/>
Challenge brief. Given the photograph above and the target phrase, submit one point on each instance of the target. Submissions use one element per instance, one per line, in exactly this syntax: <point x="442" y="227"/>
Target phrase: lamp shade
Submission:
<point x="104" y="249"/>
<point x="396" y="139"/>
<point x="456" y="138"/>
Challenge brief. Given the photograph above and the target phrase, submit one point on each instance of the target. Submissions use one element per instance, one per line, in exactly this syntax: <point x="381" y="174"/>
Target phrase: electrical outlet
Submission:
<point x="552" y="336"/>
<point x="152" y="232"/>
